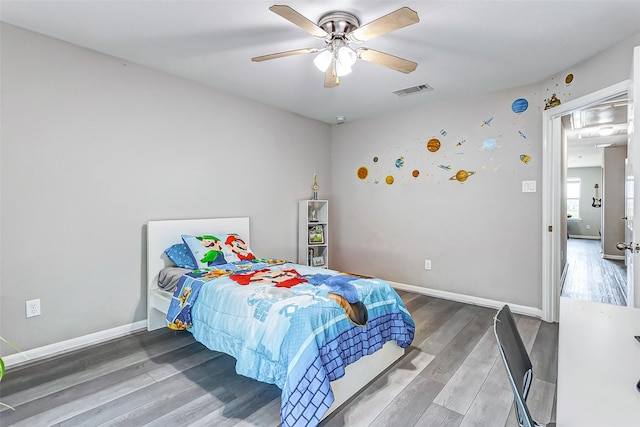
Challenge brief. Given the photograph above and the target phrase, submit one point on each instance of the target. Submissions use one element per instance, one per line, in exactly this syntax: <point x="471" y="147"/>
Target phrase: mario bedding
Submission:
<point x="290" y="325"/>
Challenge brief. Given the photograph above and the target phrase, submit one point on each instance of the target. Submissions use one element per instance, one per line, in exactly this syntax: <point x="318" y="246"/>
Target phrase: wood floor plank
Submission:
<point x="437" y="416"/>
<point x="544" y="353"/>
<point x="410" y="404"/>
<point x="443" y="336"/>
<point x="431" y="317"/>
<point x="41" y="384"/>
<point x="174" y="391"/>
<point x="460" y="391"/>
<point x="539" y="402"/>
<point x="493" y="402"/>
<point x="365" y="407"/>
<point x="449" y="359"/>
<point x="58" y="407"/>
<point x="591" y="277"/>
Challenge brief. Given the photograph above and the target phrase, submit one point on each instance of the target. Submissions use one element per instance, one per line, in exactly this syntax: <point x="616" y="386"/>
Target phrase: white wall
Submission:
<point x="589" y="216"/>
<point x="92" y="147"/>
<point x="613" y="200"/>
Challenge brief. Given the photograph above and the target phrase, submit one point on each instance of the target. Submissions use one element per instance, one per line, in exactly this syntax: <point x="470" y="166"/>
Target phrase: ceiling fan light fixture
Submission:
<point x="323" y="60"/>
<point x="342" y="69"/>
<point x="338" y="29"/>
<point x="347" y="56"/>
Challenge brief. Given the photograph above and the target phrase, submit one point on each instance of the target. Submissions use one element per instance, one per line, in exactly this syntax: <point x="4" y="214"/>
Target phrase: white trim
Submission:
<point x="579" y="236"/>
<point x="467" y="299"/>
<point x="614" y="257"/>
<point x="551" y="192"/>
<point x="61" y="347"/>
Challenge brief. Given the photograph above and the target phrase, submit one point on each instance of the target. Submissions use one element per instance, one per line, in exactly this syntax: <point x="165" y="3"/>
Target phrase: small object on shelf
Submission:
<point x="316" y="234"/>
<point x="309" y="256"/>
<point x="318" y="261"/>
<point x="315" y="187"/>
<point x="314" y="216"/>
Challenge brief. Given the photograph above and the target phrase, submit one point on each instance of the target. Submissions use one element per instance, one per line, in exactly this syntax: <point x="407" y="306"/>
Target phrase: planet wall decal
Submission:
<point x="389" y="179"/>
<point x="489" y="144"/>
<point x="400" y="162"/>
<point x="568" y="79"/>
<point x="363" y="172"/>
<point x="525" y="158"/>
<point x="433" y="145"/>
<point x="415" y="173"/>
<point x="462" y="175"/>
<point x="520" y="105"/>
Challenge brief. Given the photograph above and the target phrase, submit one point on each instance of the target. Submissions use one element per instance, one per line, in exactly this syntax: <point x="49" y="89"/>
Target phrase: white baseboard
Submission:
<point x="578" y="236"/>
<point x="55" y="349"/>
<point x="615" y="257"/>
<point x="467" y="299"/>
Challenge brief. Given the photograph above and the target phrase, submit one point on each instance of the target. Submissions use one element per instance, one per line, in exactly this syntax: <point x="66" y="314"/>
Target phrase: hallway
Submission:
<point x="592" y="278"/>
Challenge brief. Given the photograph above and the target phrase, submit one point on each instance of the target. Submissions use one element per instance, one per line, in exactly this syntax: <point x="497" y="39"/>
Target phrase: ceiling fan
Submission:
<point x="339" y="29"/>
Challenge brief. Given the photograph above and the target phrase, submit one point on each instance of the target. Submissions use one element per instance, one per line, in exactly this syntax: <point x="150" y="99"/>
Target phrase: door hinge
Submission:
<point x="550" y="228"/>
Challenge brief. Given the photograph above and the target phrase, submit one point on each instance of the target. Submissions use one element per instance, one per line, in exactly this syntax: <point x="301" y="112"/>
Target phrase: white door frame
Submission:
<point x="551" y="192"/>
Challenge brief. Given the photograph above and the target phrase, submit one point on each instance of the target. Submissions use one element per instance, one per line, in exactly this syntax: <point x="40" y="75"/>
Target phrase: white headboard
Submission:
<point x="161" y="235"/>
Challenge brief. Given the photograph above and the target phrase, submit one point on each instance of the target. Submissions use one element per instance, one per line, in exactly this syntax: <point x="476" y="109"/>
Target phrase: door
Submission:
<point x="628" y="232"/>
<point x="633" y="168"/>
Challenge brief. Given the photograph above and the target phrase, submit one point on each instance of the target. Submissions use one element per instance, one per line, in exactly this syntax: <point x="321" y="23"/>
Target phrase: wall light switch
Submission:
<point x="528" y="186"/>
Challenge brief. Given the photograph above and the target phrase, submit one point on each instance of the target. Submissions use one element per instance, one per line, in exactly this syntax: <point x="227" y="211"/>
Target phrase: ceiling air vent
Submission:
<point x="413" y="90"/>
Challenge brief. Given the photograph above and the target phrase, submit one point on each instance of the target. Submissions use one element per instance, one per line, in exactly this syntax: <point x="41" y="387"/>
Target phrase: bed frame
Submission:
<point x="162" y="234"/>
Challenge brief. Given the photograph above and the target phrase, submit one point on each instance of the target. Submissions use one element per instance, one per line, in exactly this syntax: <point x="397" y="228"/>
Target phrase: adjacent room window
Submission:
<point x="573" y="198"/>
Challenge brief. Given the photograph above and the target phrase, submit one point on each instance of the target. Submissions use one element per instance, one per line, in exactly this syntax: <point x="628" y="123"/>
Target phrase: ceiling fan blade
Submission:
<point x="390" y="61"/>
<point x="283" y="54"/>
<point x="395" y="20"/>
<point x="297" y="19"/>
<point x="331" y="78"/>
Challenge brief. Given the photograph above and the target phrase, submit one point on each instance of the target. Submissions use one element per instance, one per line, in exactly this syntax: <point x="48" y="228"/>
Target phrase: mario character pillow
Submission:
<point x="235" y="248"/>
<point x="206" y="251"/>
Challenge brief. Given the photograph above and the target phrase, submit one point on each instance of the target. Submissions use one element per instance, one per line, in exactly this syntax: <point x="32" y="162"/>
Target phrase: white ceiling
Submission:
<point x="462" y="48"/>
<point x="585" y="143"/>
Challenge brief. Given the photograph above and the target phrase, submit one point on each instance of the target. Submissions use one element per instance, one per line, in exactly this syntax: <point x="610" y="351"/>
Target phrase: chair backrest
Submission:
<point x="516" y="361"/>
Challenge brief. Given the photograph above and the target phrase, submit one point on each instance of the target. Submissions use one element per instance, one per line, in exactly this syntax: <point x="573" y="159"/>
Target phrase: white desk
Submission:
<point x="598" y="365"/>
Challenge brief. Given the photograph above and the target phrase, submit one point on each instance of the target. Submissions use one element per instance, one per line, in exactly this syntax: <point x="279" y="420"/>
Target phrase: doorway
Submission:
<point x="554" y="220"/>
<point x="595" y="139"/>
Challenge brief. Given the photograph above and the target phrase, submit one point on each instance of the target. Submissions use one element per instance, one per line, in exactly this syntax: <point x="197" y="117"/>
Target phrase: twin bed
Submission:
<point x="319" y="334"/>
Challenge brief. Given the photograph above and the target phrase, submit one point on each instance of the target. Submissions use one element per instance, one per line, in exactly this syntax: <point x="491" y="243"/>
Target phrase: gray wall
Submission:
<point x="589" y="216"/>
<point x="613" y="200"/>
<point x="93" y="147"/>
<point x="484" y="235"/>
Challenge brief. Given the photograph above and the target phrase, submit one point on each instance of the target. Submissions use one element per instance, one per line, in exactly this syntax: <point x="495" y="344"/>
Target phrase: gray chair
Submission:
<point x="517" y="363"/>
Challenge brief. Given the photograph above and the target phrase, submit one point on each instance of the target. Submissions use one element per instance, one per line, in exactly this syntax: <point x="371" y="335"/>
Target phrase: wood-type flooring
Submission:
<point x="450" y="376"/>
<point x="591" y="277"/>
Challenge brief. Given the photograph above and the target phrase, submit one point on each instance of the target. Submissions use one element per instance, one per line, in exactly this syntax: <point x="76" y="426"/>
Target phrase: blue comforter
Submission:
<point x="290" y="325"/>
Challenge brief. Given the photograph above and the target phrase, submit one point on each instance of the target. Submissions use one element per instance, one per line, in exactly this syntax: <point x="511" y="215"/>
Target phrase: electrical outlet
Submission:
<point x="33" y="308"/>
<point x="427" y="264"/>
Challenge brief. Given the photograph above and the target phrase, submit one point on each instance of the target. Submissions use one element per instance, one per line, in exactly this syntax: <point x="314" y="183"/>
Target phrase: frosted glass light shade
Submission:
<point x="323" y="60"/>
<point x="347" y="56"/>
<point x="342" y="69"/>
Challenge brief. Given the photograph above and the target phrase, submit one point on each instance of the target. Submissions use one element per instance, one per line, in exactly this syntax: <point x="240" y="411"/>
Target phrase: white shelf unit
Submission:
<point x="311" y="214"/>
